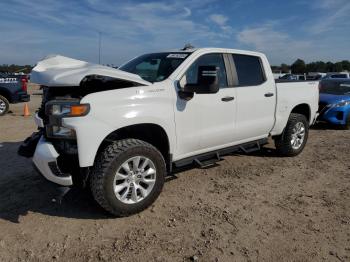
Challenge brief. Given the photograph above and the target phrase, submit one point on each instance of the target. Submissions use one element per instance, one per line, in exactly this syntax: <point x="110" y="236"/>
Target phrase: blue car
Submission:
<point x="334" y="105"/>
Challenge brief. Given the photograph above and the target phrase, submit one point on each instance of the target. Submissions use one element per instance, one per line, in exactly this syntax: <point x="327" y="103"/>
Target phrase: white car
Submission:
<point x="123" y="130"/>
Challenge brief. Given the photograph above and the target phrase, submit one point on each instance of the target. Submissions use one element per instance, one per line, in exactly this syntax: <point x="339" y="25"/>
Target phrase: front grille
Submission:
<point x="340" y="116"/>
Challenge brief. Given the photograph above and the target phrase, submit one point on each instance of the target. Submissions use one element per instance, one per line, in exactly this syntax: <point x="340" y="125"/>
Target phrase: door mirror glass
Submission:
<point x="205" y="76"/>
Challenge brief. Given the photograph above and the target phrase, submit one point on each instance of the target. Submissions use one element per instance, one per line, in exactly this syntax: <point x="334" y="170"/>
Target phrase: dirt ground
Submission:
<point x="256" y="207"/>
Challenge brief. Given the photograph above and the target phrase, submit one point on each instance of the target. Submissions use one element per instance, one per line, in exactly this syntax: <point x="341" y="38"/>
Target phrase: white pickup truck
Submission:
<point x="123" y="130"/>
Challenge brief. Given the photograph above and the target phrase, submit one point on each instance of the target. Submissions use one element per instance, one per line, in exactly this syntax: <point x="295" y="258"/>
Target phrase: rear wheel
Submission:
<point x="294" y="137"/>
<point x="4" y="105"/>
<point x="128" y="177"/>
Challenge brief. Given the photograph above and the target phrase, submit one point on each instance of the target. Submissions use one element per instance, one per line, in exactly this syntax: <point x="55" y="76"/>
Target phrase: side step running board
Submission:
<point x="211" y="158"/>
<point x="250" y="148"/>
<point x="209" y="162"/>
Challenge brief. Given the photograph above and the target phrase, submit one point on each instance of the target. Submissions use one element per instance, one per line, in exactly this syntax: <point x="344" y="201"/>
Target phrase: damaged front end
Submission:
<point x="64" y="82"/>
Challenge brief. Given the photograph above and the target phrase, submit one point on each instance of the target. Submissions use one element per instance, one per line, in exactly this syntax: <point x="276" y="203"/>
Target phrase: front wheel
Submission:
<point x="128" y="176"/>
<point x="294" y="137"/>
<point x="4" y="105"/>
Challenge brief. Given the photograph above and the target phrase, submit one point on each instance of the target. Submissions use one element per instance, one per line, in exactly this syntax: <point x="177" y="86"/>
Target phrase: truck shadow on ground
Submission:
<point x="23" y="191"/>
<point x="326" y="126"/>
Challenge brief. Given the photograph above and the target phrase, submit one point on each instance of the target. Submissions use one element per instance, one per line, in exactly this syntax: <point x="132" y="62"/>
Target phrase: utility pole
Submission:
<point x="99" y="47"/>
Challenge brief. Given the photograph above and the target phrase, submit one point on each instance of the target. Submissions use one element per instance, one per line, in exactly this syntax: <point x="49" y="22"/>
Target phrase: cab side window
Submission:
<point x="207" y="60"/>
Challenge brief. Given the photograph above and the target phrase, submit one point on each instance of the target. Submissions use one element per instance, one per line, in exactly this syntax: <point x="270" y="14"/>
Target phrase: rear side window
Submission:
<point x="249" y="70"/>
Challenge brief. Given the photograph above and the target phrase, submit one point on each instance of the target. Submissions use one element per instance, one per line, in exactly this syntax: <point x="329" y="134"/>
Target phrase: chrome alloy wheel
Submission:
<point x="134" y="180"/>
<point x="298" y="135"/>
<point x="2" y="106"/>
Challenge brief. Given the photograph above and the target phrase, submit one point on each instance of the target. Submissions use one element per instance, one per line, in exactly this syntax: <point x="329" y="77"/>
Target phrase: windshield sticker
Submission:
<point x="181" y="56"/>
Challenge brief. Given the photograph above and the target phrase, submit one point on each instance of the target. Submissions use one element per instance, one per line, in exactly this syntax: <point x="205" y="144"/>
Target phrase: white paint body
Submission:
<point x="193" y="127"/>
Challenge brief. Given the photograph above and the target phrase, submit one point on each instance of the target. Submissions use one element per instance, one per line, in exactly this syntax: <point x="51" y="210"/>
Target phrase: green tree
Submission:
<point x="285" y="68"/>
<point x="346" y="65"/>
<point x="298" y="67"/>
<point x="338" y="67"/>
<point x="330" y="67"/>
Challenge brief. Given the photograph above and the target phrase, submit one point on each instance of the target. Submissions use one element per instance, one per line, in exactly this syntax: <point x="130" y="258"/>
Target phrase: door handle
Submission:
<point x="227" y="98"/>
<point x="269" y="94"/>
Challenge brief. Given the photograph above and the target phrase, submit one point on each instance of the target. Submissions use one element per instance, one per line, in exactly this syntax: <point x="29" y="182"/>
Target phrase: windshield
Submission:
<point x="155" y="67"/>
<point x="335" y="87"/>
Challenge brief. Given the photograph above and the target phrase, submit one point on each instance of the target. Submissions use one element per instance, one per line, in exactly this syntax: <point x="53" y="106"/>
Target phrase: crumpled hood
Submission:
<point x="333" y="99"/>
<point x="59" y="70"/>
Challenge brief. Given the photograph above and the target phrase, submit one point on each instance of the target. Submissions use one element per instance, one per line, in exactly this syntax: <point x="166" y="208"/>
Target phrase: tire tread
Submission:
<point x="100" y="169"/>
<point x="282" y="142"/>
<point x="7" y="103"/>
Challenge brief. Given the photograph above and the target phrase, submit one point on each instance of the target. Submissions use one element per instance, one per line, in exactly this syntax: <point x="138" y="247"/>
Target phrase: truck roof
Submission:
<point x="218" y="50"/>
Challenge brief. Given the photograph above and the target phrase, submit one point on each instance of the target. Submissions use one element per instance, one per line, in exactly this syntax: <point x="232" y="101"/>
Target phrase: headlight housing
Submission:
<point x="56" y="110"/>
<point x="66" y="109"/>
<point x="342" y="103"/>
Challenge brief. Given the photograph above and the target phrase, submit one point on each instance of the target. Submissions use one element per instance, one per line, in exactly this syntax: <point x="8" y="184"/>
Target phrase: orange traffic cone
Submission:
<point x="26" y="110"/>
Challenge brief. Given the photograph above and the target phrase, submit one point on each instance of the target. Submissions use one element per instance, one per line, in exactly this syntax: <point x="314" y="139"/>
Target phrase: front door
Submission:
<point x="207" y="121"/>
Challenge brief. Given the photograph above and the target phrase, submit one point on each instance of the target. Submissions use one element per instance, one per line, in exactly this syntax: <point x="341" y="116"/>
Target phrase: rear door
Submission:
<point x="256" y="98"/>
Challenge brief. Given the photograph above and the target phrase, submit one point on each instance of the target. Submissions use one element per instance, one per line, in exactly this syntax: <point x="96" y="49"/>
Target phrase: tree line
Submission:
<point x="300" y="67"/>
<point x="15" y="68"/>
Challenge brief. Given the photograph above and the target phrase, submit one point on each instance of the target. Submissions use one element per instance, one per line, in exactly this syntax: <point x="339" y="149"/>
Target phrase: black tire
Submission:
<point x="5" y="102"/>
<point x="106" y="166"/>
<point x="283" y="142"/>
<point x="347" y="124"/>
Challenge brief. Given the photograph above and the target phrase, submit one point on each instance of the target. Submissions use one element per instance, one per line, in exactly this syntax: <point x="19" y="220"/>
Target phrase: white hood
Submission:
<point x="59" y="70"/>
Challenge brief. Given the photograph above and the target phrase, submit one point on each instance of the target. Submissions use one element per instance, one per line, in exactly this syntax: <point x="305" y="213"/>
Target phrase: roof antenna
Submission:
<point x="187" y="47"/>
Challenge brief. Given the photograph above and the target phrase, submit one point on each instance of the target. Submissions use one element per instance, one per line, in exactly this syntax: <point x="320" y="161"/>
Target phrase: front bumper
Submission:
<point x="21" y="97"/>
<point x="45" y="159"/>
<point x="334" y="115"/>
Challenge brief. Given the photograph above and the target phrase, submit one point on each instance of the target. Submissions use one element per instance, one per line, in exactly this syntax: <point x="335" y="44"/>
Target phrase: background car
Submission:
<point x="292" y="77"/>
<point x="13" y="89"/>
<point x="343" y="75"/>
<point x="334" y="105"/>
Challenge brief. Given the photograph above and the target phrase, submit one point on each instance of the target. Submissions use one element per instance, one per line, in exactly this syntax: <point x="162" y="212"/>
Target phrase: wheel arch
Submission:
<point x="6" y="93"/>
<point x="303" y="109"/>
<point x="148" y="132"/>
<point x="282" y="117"/>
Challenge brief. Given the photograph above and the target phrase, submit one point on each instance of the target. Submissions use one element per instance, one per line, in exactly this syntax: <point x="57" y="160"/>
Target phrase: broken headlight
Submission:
<point x="56" y="110"/>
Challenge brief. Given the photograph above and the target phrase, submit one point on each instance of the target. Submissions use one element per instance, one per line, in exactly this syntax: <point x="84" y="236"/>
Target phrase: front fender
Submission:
<point x="115" y="109"/>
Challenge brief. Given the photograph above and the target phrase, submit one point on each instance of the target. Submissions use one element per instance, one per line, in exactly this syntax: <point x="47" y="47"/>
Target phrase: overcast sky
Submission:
<point x="284" y="30"/>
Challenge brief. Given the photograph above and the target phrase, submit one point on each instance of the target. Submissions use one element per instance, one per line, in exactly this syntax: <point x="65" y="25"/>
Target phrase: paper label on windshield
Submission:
<point x="181" y="56"/>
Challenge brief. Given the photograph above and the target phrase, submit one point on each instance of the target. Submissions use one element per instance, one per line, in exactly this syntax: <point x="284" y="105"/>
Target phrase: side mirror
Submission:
<point x="207" y="81"/>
